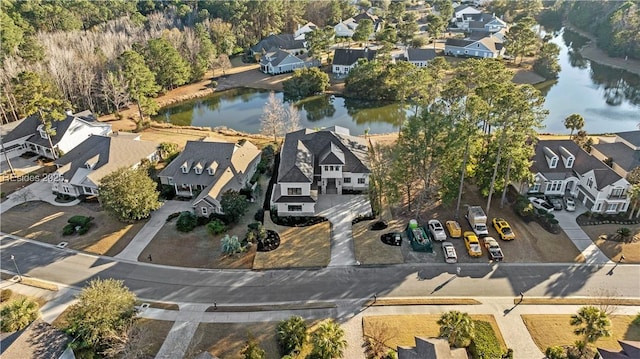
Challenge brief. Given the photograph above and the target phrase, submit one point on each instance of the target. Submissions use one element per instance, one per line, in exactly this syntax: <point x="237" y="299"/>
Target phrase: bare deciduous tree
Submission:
<point x="293" y="118"/>
<point x="272" y="121"/>
<point x="114" y="90"/>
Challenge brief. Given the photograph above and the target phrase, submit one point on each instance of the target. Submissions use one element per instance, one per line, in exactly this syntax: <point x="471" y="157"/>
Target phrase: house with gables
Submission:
<point x="313" y="163"/>
<point x="346" y="59"/>
<point x="302" y="30"/>
<point x="431" y="348"/>
<point x="480" y="22"/>
<point x="562" y="168"/>
<point x="30" y="135"/>
<point x="486" y="47"/>
<point x="204" y="170"/>
<point x="420" y="57"/>
<point x="80" y="171"/>
<point x="623" y="152"/>
<point x="347" y="27"/>
<point x="464" y="9"/>
<point x="277" y="61"/>
<point x="285" y="42"/>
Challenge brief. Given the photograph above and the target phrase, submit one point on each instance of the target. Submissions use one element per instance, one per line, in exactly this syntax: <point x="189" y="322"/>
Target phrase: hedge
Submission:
<point x="485" y="341"/>
<point x="187" y="221"/>
<point x="80" y="220"/>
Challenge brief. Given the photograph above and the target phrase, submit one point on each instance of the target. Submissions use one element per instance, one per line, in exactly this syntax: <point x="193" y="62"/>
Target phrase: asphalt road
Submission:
<point x="172" y="284"/>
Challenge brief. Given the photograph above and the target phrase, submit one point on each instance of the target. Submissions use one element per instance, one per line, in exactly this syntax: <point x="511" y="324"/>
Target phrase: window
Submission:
<point x="612" y="207"/>
<point x="569" y="162"/>
<point x="536" y="187"/>
<point x="347" y="180"/>
<point x="170" y="179"/>
<point x="330" y="168"/>
<point x="554" y="162"/>
<point x="184" y="169"/>
<point x="65" y="189"/>
<point x="590" y="182"/>
<point x="599" y="206"/>
<point x="617" y="192"/>
<point x="294" y="208"/>
<point x="326" y="168"/>
<point x="198" y="171"/>
<point x="294" y="191"/>
<point x="204" y="211"/>
<point x="360" y="180"/>
<point x="87" y="190"/>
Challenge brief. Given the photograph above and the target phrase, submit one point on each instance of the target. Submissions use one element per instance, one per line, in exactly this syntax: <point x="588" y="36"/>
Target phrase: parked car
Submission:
<point x="539" y="203"/>
<point x="454" y="229"/>
<point x="449" y="251"/>
<point x="437" y="230"/>
<point x="493" y="249"/>
<point x="472" y="243"/>
<point x="556" y="202"/>
<point x="504" y="229"/>
<point x="569" y="204"/>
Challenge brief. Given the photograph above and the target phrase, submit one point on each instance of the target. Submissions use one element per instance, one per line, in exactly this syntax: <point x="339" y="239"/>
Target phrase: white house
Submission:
<point x="302" y="30"/>
<point x="29" y="134"/>
<point x="461" y="10"/>
<point x="278" y="61"/>
<point x="561" y="167"/>
<point x="80" y="171"/>
<point x="204" y="170"/>
<point x="279" y="41"/>
<point x="312" y="163"/>
<point x="488" y="46"/>
<point x="623" y="152"/>
<point x="346" y="59"/>
<point x="420" y="57"/>
<point x="480" y="22"/>
<point x="347" y="27"/>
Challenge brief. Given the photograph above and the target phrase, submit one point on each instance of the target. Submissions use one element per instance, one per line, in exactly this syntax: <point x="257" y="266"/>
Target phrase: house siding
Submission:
<point x="307" y="209"/>
<point x="77" y="132"/>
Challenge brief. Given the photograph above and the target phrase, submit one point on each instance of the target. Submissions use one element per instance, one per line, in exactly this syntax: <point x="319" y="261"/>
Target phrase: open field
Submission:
<point x="300" y="247"/>
<point x="44" y="222"/>
<point x="407" y="327"/>
<point x="600" y="233"/>
<point x="550" y="330"/>
<point x="369" y="249"/>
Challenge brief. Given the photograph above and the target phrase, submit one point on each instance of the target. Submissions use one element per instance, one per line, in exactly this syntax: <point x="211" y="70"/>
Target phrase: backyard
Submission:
<point x="44" y="222"/>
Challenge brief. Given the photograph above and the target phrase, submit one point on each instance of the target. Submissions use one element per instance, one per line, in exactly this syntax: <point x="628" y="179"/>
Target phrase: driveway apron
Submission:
<point x="591" y="252"/>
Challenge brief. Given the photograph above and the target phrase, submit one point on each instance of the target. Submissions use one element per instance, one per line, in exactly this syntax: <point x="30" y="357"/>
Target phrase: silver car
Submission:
<point x="437" y="230"/>
<point x="569" y="204"/>
<point x="449" y="251"/>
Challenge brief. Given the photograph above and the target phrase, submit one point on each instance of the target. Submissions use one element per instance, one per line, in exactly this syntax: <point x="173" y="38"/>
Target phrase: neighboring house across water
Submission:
<point x="29" y="134"/>
<point x="329" y="161"/>
<point x="486" y="47"/>
<point x="279" y="41"/>
<point x="302" y="30"/>
<point x="81" y="169"/>
<point x="461" y="10"/>
<point x="623" y="152"/>
<point x="204" y="170"/>
<point x="420" y="57"/>
<point x="37" y="341"/>
<point x="346" y="59"/>
<point x="278" y="61"/>
<point x="630" y="350"/>
<point x="561" y="167"/>
<point x="480" y="22"/>
<point x="431" y="348"/>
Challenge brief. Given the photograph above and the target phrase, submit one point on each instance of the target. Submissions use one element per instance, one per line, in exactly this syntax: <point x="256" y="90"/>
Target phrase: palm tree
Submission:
<point x="592" y="324"/>
<point x="292" y="333"/>
<point x="328" y="341"/>
<point x="18" y="315"/>
<point x="457" y="327"/>
<point x="574" y="122"/>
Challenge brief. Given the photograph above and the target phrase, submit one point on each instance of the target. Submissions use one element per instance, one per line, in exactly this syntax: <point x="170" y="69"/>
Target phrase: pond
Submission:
<point x="608" y="99"/>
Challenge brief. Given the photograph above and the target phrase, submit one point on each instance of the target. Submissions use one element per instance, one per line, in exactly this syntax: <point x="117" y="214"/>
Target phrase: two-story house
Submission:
<point x="346" y="59"/>
<point x="80" y="171"/>
<point x="312" y="163"/>
<point x="276" y="61"/>
<point x="561" y="167"/>
<point x="30" y="135"/>
<point x="623" y="152"/>
<point x="285" y="42"/>
<point x="204" y="170"/>
<point x="348" y="27"/>
<point x="420" y="57"/>
<point x="485" y="47"/>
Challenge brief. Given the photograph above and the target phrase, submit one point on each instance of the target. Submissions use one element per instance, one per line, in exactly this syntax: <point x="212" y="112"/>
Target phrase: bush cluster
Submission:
<point x="216" y="227"/>
<point x="485" y="341"/>
<point x="294" y="221"/>
<point x="187" y="221"/>
<point x="77" y="224"/>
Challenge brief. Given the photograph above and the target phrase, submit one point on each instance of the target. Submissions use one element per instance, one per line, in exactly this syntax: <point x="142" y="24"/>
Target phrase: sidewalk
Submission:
<point x="151" y="228"/>
<point x="38" y="191"/>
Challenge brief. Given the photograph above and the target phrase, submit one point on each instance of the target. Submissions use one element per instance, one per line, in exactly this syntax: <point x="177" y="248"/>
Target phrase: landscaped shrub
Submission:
<point x="5" y="294"/>
<point x="80" y="220"/>
<point x="18" y="314"/>
<point x="216" y="227"/>
<point x="231" y="245"/>
<point x="485" y="341"/>
<point x="173" y="215"/>
<point x="259" y="216"/>
<point x="167" y="191"/>
<point x="542" y="211"/>
<point x="83" y="230"/>
<point x="203" y="221"/>
<point x="254" y="226"/>
<point x="295" y="221"/>
<point x="68" y="229"/>
<point x="556" y="352"/>
<point x="187" y="221"/>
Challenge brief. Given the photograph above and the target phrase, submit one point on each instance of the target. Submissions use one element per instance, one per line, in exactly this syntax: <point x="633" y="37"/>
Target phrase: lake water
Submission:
<point x="608" y="99"/>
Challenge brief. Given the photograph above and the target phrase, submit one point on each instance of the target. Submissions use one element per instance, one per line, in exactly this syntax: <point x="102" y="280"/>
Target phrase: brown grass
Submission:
<point x="300" y="247"/>
<point x="197" y="249"/>
<point x="44" y="222"/>
<point x="422" y="301"/>
<point x="601" y="233"/>
<point x="155" y="332"/>
<point x="407" y="327"/>
<point x="550" y="330"/>
<point x="17" y="296"/>
<point x="160" y="305"/>
<point x="369" y="249"/>
<point x="226" y="340"/>
<point x="577" y="301"/>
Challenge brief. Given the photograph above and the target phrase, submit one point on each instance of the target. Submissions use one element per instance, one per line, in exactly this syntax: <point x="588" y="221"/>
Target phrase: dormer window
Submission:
<point x="198" y="168"/>
<point x="554" y="162"/>
<point x="212" y="168"/>
<point x="185" y="167"/>
<point x="590" y="182"/>
<point x="551" y="157"/>
<point x="569" y="163"/>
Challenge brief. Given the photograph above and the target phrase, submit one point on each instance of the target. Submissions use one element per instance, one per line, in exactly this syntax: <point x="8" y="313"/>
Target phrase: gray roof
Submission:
<point x="630" y="350"/>
<point x="623" y="155"/>
<point x="349" y="57"/>
<point x="303" y="150"/>
<point x="38" y="340"/>
<point x="106" y="154"/>
<point x="276" y="56"/>
<point x="420" y="54"/>
<point x="633" y="137"/>
<point x="279" y="41"/>
<point x="583" y="163"/>
<point x="24" y="128"/>
<point x="431" y="348"/>
<point x="458" y="42"/>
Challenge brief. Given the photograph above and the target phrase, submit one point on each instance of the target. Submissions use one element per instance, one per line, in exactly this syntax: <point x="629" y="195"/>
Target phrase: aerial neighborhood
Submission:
<point x="326" y="179"/>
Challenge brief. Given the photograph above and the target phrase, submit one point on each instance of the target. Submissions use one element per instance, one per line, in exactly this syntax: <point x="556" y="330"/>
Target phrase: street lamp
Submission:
<point x="17" y="270"/>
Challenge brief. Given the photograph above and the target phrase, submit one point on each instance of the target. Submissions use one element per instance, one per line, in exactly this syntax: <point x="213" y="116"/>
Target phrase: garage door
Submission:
<point x="581" y="196"/>
<point x="589" y="204"/>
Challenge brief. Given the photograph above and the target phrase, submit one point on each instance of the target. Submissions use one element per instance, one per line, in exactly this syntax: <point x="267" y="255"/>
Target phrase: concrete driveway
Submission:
<point x="24" y="165"/>
<point x="340" y="210"/>
<point x="37" y="191"/>
<point x="567" y="221"/>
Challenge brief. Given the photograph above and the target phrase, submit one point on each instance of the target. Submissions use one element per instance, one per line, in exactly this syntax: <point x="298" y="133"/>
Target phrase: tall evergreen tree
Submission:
<point x="141" y="82"/>
<point x="163" y="59"/>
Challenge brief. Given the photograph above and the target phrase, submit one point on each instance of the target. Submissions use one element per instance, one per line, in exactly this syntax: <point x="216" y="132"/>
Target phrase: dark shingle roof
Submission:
<point x="421" y="54"/>
<point x="583" y="163"/>
<point x="279" y="41"/>
<point x="349" y="57"/>
<point x="276" y="57"/>
<point x="623" y="155"/>
<point x="26" y="127"/>
<point x="633" y="137"/>
<point x="458" y="42"/>
<point x="630" y="350"/>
